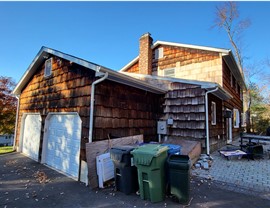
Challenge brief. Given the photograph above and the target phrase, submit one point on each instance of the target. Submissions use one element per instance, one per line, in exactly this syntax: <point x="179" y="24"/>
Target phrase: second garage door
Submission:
<point x="31" y="135"/>
<point x="61" y="148"/>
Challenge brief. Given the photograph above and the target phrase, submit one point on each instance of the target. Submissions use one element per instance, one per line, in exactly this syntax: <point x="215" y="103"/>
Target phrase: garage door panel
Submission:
<point x="63" y="143"/>
<point x="31" y="136"/>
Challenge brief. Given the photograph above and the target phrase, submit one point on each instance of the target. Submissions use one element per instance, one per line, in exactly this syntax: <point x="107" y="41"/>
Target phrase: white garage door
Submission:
<point x="31" y="135"/>
<point x="62" y="143"/>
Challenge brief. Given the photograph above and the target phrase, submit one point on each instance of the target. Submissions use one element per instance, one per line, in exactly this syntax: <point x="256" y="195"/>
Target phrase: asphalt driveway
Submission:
<point x="26" y="183"/>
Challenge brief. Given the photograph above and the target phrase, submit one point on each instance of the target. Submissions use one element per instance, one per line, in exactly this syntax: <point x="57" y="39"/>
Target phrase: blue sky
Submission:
<point x="107" y="33"/>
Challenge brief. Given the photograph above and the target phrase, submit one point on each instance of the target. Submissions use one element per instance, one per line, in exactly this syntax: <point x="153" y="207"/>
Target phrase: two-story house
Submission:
<point x="65" y="102"/>
<point x="205" y="89"/>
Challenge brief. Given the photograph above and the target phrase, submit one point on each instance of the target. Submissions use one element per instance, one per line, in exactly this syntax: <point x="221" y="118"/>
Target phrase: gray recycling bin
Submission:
<point x="125" y="173"/>
<point x="179" y="177"/>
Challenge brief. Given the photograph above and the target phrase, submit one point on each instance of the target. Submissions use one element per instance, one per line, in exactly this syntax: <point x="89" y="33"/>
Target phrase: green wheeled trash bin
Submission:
<point x="179" y="177"/>
<point x="125" y="173"/>
<point x="150" y="160"/>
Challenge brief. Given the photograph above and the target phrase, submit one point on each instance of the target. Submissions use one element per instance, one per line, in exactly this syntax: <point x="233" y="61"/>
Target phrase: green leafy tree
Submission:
<point x="8" y="104"/>
<point x="260" y="109"/>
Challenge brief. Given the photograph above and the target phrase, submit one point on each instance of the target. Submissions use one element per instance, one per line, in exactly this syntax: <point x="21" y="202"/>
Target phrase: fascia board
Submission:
<point x="219" y="50"/>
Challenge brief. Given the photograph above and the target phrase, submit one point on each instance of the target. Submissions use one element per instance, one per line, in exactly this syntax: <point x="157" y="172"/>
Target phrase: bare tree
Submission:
<point x="227" y="18"/>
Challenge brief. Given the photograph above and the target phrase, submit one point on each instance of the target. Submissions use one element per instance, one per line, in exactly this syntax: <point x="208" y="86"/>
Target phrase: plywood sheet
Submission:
<point x="100" y="147"/>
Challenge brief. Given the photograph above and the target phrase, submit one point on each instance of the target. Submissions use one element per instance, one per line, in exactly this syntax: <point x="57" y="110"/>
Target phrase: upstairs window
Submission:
<point x="48" y="67"/>
<point x="159" y="53"/>
<point x="169" y="72"/>
<point x="213" y="113"/>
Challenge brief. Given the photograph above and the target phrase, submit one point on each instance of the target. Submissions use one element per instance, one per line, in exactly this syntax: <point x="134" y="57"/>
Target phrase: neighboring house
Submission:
<point x="205" y="97"/>
<point x="6" y="140"/>
<point x="62" y="106"/>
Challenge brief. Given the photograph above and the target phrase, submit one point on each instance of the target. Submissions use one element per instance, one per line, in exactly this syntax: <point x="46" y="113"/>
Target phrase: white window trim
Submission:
<point x="236" y="118"/>
<point x="159" y="53"/>
<point x="213" y="113"/>
<point x="48" y="68"/>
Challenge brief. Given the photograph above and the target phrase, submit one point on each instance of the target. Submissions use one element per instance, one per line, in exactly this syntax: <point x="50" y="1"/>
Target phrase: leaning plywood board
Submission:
<point x="100" y="147"/>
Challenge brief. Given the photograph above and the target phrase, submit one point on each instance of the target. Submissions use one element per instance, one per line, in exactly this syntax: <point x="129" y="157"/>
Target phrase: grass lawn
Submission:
<point x="6" y="149"/>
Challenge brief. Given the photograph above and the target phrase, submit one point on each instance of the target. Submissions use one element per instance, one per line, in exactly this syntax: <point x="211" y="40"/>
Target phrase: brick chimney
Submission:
<point x="145" y="56"/>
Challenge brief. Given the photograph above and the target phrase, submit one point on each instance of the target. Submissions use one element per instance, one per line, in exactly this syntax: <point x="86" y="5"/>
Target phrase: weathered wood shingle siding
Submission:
<point x="68" y="89"/>
<point x="185" y="105"/>
<point x="125" y="111"/>
<point x="216" y="132"/>
<point x="236" y="102"/>
<point x="193" y="64"/>
<point x="134" y="68"/>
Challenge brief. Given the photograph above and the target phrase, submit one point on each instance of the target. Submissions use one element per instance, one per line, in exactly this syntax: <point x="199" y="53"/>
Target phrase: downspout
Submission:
<point x="92" y="105"/>
<point x="206" y="120"/>
<point x="16" y="122"/>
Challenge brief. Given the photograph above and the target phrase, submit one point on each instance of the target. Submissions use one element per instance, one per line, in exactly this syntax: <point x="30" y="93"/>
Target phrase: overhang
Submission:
<point x="220" y="93"/>
<point x="45" y="53"/>
<point x="235" y="69"/>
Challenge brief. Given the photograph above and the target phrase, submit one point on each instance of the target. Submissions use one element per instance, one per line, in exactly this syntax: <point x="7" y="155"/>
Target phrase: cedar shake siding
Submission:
<point x="233" y="87"/>
<point x="217" y="132"/>
<point x="134" y="68"/>
<point x="192" y="64"/>
<point x="125" y="111"/>
<point x="185" y="104"/>
<point x="119" y="110"/>
<point x="66" y="90"/>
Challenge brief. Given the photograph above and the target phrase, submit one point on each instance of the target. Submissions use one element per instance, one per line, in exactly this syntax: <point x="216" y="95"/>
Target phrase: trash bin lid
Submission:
<point x="179" y="162"/>
<point x="173" y="148"/>
<point x="117" y="152"/>
<point x="143" y="155"/>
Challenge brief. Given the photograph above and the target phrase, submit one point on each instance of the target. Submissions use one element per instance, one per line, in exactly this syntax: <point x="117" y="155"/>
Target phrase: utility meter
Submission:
<point x="162" y="127"/>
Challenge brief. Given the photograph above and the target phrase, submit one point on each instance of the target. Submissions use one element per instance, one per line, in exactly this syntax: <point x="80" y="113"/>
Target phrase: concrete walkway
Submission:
<point x="240" y="175"/>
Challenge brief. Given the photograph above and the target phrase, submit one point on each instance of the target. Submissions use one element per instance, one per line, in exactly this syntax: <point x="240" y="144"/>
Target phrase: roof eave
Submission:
<point x="221" y="93"/>
<point x="235" y="69"/>
<point x="43" y="54"/>
<point x="205" y="48"/>
<point x="129" y="64"/>
<point x="130" y="81"/>
<point x="219" y="50"/>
